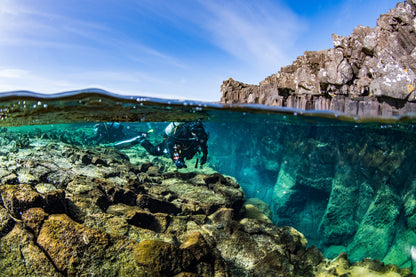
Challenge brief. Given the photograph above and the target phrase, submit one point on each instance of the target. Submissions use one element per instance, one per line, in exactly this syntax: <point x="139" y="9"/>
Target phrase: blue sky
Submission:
<point x="181" y="49"/>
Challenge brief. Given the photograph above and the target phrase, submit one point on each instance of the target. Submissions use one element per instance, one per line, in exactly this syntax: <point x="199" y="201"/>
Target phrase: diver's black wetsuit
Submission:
<point x="186" y="140"/>
<point x="108" y="132"/>
<point x="183" y="142"/>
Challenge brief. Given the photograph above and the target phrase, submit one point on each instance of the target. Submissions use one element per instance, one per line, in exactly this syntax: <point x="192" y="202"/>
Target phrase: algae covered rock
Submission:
<point x="93" y="222"/>
<point x="122" y="219"/>
<point x="381" y="220"/>
<point x="341" y="266"/>
<point x="18" y="198"/>
<point x="257" y="209"/>
<point x="159" y="257"/>
<point x="21" y="256"/>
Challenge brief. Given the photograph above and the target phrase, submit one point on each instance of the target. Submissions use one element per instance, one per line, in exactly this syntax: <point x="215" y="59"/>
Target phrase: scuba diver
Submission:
<point x="181" y="141"/>
<point x="108" y="132"/>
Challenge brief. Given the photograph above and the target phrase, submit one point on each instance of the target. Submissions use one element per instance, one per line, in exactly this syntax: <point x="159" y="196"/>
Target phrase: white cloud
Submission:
<point x="47" y="50"/>
<point x="257" y="33"/>
<point x="12" y="73"/>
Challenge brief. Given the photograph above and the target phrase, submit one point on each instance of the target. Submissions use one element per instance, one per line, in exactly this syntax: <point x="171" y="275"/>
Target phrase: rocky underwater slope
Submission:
<point x="372" y="72"/>
<point x="346" y="187"/>
<point x="67" y="210"/>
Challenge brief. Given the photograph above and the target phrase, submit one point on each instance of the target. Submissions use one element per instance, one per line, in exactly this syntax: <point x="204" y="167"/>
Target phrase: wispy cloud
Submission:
<point x="257" y="33"/>
<point x="151" y="46"/>
<point x="30" y="26"/>
<point x="22" y="79"/>
<point x="12" y="73"/>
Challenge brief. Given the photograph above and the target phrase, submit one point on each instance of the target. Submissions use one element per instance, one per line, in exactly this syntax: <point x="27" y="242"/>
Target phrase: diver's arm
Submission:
<point x="128" y="143"/>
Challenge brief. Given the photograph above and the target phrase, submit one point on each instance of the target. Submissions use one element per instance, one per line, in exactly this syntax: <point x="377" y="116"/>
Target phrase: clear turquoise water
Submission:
<point x="348" y="184"/>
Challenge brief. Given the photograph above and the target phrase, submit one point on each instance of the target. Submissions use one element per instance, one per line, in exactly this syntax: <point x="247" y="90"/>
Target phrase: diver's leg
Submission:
<point x="153" y="150"/>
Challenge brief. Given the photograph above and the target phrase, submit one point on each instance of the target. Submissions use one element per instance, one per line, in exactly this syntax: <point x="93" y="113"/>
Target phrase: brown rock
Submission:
<point x="74" y="248"/>
<point x="33" y="219"/>
<point x="222" y="217"/>
<point x="20" y="256"/>
<point x="67" y="242"/>
<point x="274" y="264"/>
<point x="157" y="222"/>
<point x="154" y="205"/>
<point x="55" y="202"/>
<point x="197" y="245"/>
<point x="6" y="222"/>
<point x="18" y="198"/>
<point x="153" y="171"/>
<point x="116" y="194"/>
<point x="341" y="266"/>
<point x="158" y="257"/>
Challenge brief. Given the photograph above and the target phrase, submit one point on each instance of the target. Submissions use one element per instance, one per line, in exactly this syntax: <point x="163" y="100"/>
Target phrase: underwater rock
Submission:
<point x="252" y="211"/>
<point x="33" y="219"/>
<point x="260" y="205"/>
<point x="159" y="257"/>
<point x="198" y="194"/>
<point x="18" y="198"/>
<point x="21" y="256"/>
<point x="45" y="188"/>
<point x="381" y="219"/>
<point x="6" y="222"/>
<point x="155" y="205"/>
<point x="341" y="266"/>
<point x="338" y="223"/>
<point x="74" y="248"/>
<point x="122" y="219"/>
<point x="400" y="251"/>
<point x="372" y="73"/>
<point x="410" y="209"/>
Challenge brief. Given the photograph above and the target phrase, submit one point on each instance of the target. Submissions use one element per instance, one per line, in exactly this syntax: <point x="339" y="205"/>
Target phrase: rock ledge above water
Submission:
<point x="370" y="73"/>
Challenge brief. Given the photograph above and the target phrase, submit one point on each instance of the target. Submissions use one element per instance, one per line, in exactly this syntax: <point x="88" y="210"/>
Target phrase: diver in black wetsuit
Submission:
<point x="108" y="131"/>
<point x="181" y="141"/>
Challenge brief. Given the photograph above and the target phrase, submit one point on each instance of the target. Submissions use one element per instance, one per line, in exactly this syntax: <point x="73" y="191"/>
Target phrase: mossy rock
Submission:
<point x="158" y="257"/>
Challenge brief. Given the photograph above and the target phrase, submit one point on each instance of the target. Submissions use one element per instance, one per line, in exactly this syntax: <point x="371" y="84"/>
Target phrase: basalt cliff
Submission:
<point x="370" y="73"/>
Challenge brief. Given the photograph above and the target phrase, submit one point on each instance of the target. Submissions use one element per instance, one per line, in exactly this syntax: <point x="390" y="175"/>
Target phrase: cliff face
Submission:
<point x="372" y="72"/>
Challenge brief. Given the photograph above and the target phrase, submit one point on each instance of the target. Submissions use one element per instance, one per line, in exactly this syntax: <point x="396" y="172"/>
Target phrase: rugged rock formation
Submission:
<point x="70" y="211"/>
<point x="346" y="187"/>
<point x="370" y="73"/>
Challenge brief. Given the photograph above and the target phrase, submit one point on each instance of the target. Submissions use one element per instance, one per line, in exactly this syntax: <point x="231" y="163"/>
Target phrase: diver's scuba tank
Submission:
<point x="171" y="128"/>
